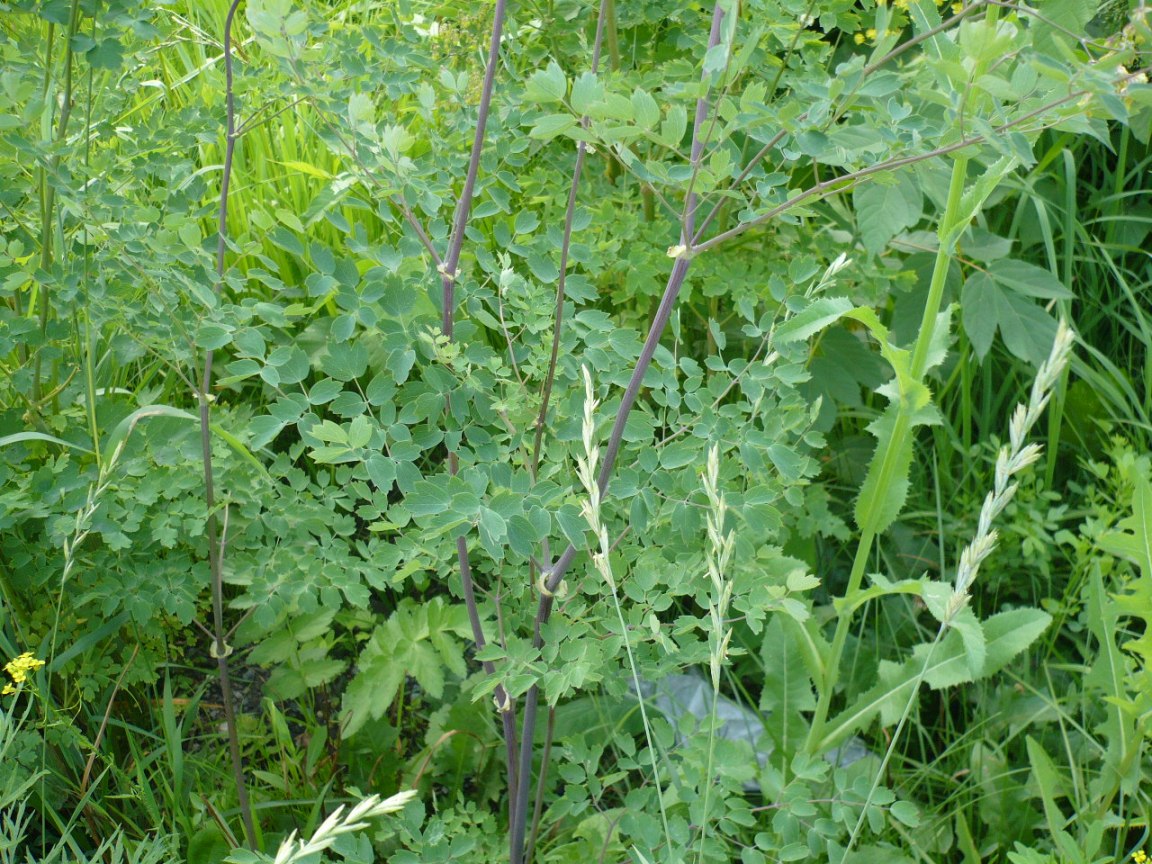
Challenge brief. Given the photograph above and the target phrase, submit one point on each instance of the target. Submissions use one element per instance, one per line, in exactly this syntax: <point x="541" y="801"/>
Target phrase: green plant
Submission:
<point x="382" y="318"/>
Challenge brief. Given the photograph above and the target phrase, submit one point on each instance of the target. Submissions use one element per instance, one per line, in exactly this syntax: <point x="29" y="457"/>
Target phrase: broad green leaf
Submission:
<point x="1028" y="279"/>
<point x="210" y="336"/>
<point x="493" y="532"/>
<point x="979" y="311"/>
<point x="1026" y="328"/>
<point x="680" y="453"/>
<point x="674" y="126"/>
<point x="787" y="687"/>
<point x="972" y="635"/>
<point x="1006" y="635"/>
<point x="427" y="498"/>
<point x="886" y="207"/>
<point x="359" y="432"/>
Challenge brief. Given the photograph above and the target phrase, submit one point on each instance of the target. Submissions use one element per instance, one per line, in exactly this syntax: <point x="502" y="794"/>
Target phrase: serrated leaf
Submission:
<point x="551" y="126"/>
<point x="1134" y="543"/>
<point x="971" y="633"/>
<point x="674" y="126"/>
<point x="645" y="109"/>
<point x="369" y="694"/>
<point x="810" y="321"/>
<point x="1028" y="279"/>
<point x="940" y="665"/>
<point x="1109" y="672"/>
<point x="587" y="92"/>
<point x="972" y="201"/>
<point x="547" y="85"/>
<point x="359" y="432"/>
<point x="1006" y="635"/>
<point x="427" y="499"/>
<point x="885" y="486"/>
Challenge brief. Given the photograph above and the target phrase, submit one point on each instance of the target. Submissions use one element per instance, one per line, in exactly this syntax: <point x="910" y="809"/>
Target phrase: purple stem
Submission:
<point x="464" y="204"/>
<point x="215" y="548"/>
<point x="448" y="281"/>
<point x="655" y="331"/>
<point x="519" y="810"/>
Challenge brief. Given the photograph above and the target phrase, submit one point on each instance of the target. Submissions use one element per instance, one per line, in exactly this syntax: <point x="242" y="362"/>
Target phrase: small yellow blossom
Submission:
<point x="1139" y="857"/>
<point x="859" y="38"/>
<point x="18" y="670"/>
<point x="957" y="8"/>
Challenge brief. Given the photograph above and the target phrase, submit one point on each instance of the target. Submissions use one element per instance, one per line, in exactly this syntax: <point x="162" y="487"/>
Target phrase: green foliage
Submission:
<point x="364" y="461"/>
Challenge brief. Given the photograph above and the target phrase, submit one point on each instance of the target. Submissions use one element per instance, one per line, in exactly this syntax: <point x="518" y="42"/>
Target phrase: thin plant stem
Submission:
<point x="220" y="649"/>
<point x="47" y="189"/>
<point x="538" y="806"/>
<point x="659" y="321"/>
<point x="605" y="19"/>
<point x="565" y="246"/>
<point x="847" y="182"/>
<point x="552" y="578"/>
<point x="448" y="274"/>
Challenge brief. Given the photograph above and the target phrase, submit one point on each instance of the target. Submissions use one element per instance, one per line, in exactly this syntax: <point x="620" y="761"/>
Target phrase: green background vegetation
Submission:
<point x="291" y="413"/>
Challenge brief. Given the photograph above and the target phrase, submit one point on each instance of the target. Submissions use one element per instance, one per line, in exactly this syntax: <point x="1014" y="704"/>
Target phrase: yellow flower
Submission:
<point x="1139" y="857"/>
<point x="957" y="8"/>
<point x="18" y="670"/>
<point x="858" y="38"/>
